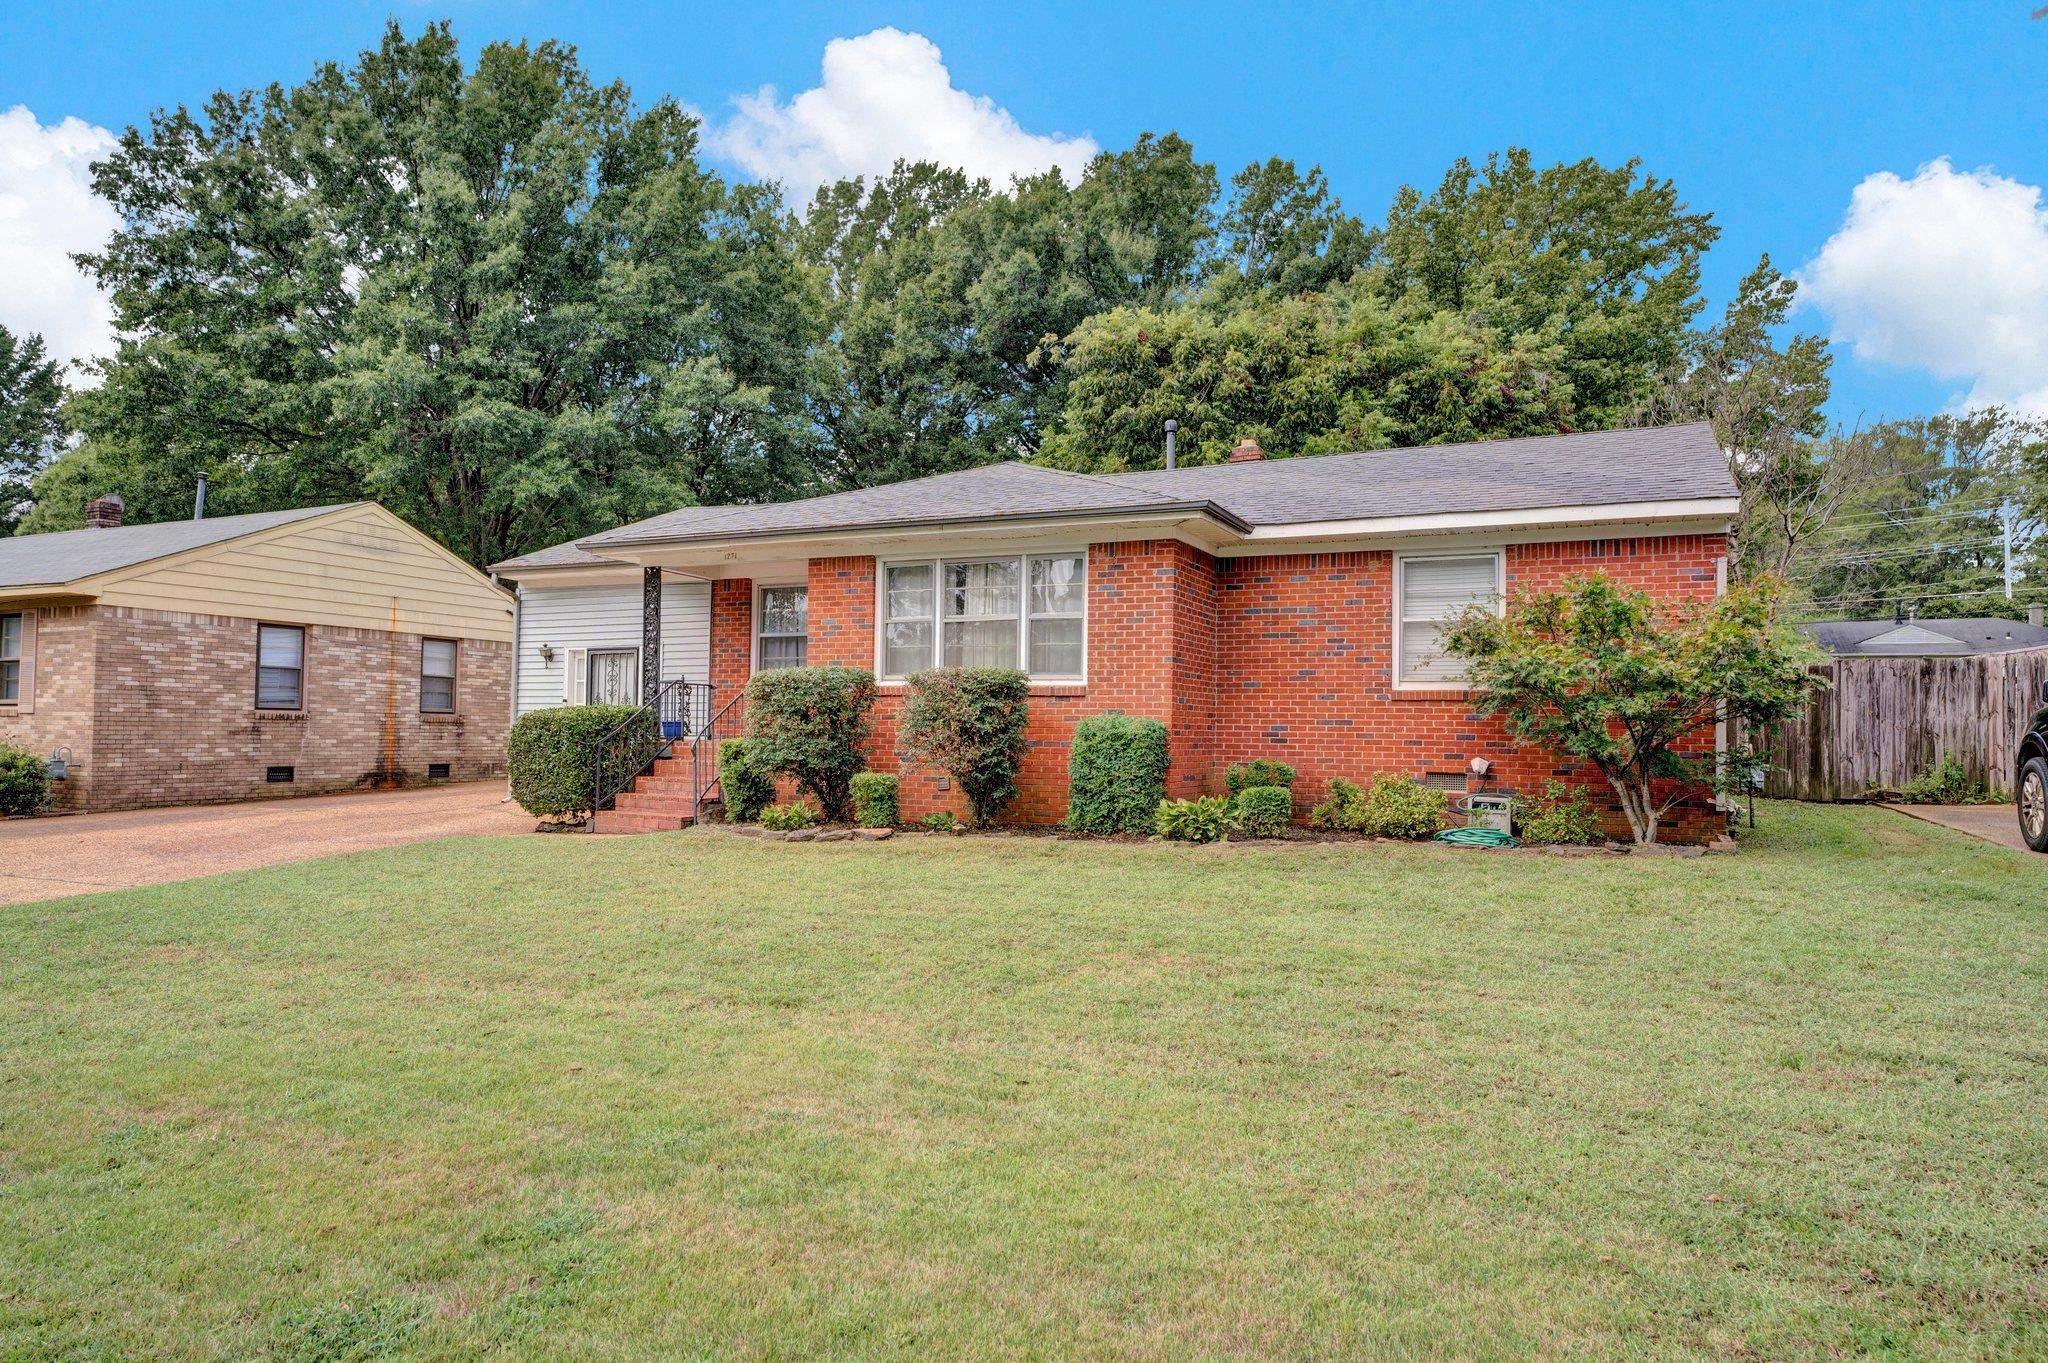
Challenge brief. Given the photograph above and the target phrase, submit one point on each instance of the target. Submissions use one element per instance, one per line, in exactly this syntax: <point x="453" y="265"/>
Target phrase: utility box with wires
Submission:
<point x="1496" y="812"/>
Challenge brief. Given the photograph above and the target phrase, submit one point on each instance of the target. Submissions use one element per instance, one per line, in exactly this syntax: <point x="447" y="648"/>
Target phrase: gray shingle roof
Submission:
<point x="992" y="492"/>
<point x="1924" y="638"/>
<point x="1668" y="463"/>
<point x="68" y="555"/>
<point x="1596" y="468"/>
<point x="555" y="556"/>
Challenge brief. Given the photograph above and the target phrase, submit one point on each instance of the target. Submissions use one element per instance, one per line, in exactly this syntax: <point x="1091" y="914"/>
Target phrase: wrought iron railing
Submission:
<point x="674" y="713"/>
<point x="727" y="720"/>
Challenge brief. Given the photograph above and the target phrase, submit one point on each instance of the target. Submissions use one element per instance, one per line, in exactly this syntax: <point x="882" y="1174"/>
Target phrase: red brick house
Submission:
<point x="1280" y="608"/>
<point x="243" y="657"/>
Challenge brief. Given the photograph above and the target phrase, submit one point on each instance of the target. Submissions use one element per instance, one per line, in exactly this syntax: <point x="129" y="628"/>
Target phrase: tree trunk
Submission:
<point x="1636" y="806"/>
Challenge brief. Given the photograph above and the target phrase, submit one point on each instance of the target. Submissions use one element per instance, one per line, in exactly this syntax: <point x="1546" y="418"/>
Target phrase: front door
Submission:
<point x="614" y="676"/>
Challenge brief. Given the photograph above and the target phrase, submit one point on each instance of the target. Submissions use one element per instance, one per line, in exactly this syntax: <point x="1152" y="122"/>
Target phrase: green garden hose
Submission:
<point x="1475" y="837"/>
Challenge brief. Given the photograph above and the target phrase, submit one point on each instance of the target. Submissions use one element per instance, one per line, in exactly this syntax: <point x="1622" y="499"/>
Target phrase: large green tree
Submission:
<point x="949" y="300"/>
<point x="1302" y="374"/>
<point x="1924" y="527"/>
<point x="498" y="298"/>
<point x="31" y="420"/>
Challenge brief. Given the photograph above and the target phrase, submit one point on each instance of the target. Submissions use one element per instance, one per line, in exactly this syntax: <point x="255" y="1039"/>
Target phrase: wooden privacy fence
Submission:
<point x="1886" y="720"/>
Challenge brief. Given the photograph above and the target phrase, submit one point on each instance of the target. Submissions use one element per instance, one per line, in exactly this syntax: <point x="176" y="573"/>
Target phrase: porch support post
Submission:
<point x="650" y="633"/>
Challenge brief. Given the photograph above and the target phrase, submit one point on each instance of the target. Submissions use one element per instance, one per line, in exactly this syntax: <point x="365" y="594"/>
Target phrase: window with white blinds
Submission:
<point x="1025" y="611"/>
<point x="1432" y="590"/>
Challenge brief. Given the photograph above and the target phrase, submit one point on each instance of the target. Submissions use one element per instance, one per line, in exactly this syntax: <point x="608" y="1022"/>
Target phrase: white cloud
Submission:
<point x="1946" y="272"/>
<point x="884" y="96"/>
<point x="48" y="211"/>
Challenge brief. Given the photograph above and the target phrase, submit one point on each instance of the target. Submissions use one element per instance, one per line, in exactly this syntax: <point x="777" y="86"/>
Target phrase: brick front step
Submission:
<point x="639" y="801"/>
<point x="678" y="786"/>
<point x="632" y="821"/>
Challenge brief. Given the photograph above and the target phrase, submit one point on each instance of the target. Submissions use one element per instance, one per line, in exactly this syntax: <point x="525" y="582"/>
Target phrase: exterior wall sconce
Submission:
<point x="60" y="764"/>
<point x="547" y="653"/>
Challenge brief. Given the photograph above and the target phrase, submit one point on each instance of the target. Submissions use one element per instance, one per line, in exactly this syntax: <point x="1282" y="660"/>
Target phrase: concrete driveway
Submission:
<point x="79" y="853"/>
<point x="1992" y="823"/>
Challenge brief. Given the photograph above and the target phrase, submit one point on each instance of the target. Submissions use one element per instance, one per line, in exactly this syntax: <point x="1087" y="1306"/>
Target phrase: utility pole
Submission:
<point x="2008" y="549"/>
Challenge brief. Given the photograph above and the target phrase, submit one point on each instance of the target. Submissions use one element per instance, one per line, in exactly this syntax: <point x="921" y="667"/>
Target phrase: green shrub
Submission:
<point x="550" y="754"/>
<point x="812" y="724"/>
<point x="1947" y="782"/>
<point x="969" y="723"/>
<point x="24" y="781"/>
<point x="940" y="821"/>
<point x="788" y="818"/>
<point x="747" y="791"/>
<point x="1117" y="770"/>
<point x="874" y="799"/>
<point x="1344" y="810"/>
<point x="1402" y="807"/>
<point x="1202" y="819"/>
<point x="1243" y="776"/>
<point x="1562" y="815"/>
<point x="1263" y="811"/>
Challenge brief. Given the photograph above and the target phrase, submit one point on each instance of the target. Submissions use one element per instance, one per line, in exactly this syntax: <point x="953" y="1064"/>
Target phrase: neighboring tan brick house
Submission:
<point x="1282" y="608"/>
<point x="244" y="657"/>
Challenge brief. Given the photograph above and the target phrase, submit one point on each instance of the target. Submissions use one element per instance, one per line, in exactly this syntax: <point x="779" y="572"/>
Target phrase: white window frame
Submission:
<point x="1400" y="594"/>
<point x="1022" y="558"/>
<point x="754" y="630"/>
<point x="454" y="674"/>
<point x="19" y="659"/>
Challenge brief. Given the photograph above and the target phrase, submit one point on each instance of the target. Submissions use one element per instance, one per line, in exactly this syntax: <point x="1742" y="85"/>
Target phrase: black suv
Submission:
<point x="2032" y="779"/>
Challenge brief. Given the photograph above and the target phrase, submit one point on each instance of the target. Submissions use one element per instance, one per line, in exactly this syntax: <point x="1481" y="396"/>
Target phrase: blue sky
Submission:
<point x="1768" y="115"/>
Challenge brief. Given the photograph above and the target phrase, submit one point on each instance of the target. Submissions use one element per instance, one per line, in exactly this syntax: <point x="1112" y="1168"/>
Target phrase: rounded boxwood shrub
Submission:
<point x="747" y="791"/>
<point x="787" y="818"/>
<point x="1117" y="771"/>
<point x="812" y="724"/>
<point x="1263" y="811"/>
<point x="24" y="781"/>
<point x="1402" y="807"/>
<point x="874" y="799"/>
<point x="1242" y="776"/>
<point x="1202" y="819"/>
<point x="969" y="723"/>
<point x="549" y="755"/>
<point x="1343" y="810"/>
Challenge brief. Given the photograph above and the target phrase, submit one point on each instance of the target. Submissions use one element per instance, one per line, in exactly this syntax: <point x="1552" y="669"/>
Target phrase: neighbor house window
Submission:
<point x="784" y="627"/>
<point x="1025" y="611"/>
<point x="10" y="657"/>
<point x="280" y="667"/>
<point x="437" y="676"/>
<point x="1431" y="591"/>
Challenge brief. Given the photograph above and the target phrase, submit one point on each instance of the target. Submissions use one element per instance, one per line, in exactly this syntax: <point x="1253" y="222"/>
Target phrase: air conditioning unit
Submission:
<point x="1496" y="812"/>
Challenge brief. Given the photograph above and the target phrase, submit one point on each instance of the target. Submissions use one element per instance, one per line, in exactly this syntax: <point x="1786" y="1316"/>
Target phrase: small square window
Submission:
<point x="437" y="771"/>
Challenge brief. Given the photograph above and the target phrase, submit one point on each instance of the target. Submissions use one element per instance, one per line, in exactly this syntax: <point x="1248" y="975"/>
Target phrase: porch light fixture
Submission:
<point x="60" y="764"/>
<point x="547" y="653"/>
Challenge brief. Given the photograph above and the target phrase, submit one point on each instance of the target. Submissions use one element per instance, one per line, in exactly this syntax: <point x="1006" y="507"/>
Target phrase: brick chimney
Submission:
<point x="103" y="513"/>
<point x="1246" y="451"/>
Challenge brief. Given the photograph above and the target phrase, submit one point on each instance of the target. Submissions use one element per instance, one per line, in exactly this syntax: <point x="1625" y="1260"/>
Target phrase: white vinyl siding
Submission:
<point x="580" y="619"/>
<point x="1431" y="591"/>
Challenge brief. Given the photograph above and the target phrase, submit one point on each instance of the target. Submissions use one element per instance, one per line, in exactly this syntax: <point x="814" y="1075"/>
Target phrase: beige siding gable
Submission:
<point x="358" y="567"/>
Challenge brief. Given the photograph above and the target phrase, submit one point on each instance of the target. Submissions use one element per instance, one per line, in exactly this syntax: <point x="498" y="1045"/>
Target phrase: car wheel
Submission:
<point x="2034" y="803"/>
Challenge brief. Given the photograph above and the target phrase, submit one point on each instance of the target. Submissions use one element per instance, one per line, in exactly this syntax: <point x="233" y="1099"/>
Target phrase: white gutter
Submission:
<point x="1710" y="509"/>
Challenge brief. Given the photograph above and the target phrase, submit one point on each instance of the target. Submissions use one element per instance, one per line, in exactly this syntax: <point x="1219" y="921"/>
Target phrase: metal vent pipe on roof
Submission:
<point x="199" y="500"/>
<point x="1171" y="427"/>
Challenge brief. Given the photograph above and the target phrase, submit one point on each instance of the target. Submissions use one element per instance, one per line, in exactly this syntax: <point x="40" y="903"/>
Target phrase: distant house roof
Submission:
<point x="63" y="556"/>
<point x="557" y="556"/>
<point x="1923" y="638"/>
<point x="1593" y="469"/>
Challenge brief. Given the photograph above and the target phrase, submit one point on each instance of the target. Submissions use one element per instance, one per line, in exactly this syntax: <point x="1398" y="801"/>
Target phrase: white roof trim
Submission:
<point x="1719" y="510"/>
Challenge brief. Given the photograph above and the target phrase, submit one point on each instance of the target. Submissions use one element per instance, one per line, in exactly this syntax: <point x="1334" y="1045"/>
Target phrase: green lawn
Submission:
<point x="696" y="1096"/>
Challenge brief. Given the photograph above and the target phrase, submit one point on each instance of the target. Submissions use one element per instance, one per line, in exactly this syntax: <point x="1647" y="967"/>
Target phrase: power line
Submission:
<point x="1904" y="551"/>
<point x="1907" y="520"/>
